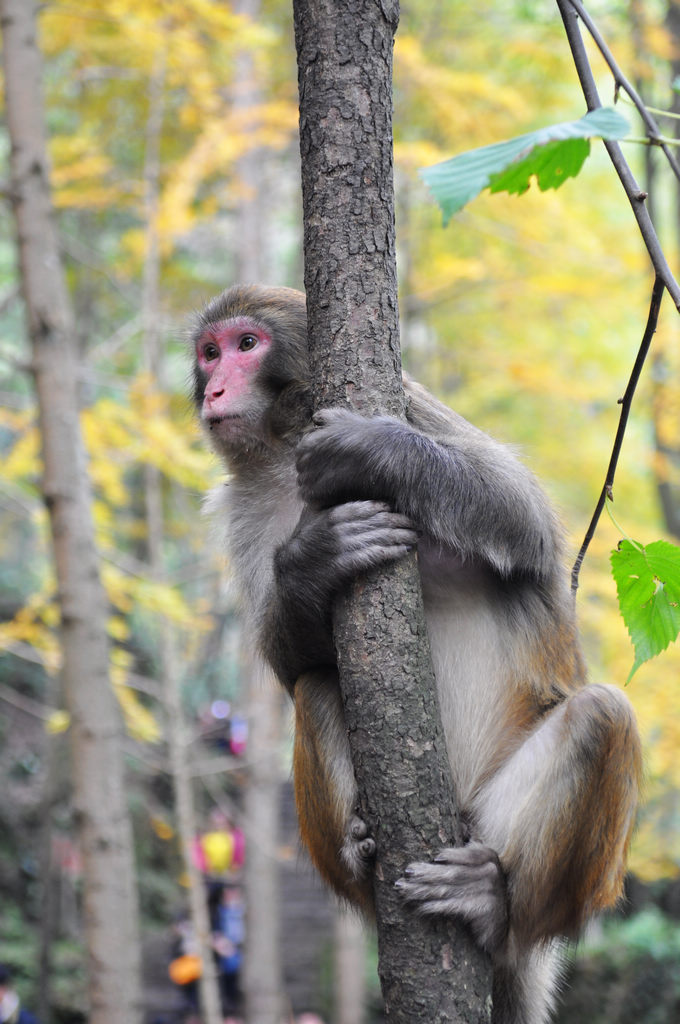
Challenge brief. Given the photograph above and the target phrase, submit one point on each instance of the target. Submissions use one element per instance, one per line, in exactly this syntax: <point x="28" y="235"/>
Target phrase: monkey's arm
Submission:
<point x="327" y="548"/>
<point x="458" y="486"/>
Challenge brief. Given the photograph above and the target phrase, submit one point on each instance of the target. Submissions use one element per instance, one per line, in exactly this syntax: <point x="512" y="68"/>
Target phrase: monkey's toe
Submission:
<point x="358" y="849"/>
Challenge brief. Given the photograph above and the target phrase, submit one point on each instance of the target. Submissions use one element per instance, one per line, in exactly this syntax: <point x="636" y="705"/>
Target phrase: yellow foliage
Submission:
<point x="121" y="662"/>
<point x="57" y="722"/>
<point x="118" y="587"/>
<point x="33" y="625"/>
<point x="93" y="197"/>
<point x="111" y="52"/>
<point x="76" y="162"/>
<point x="126" y="592"/>
<point x="118" y="628"/>
<point x="167" y="601"/>
<point x="658" y="42"/>
<point x="140" y="722"/>
<point x="412" y="154"/>
<point x="661" y="466"/>
<point x="453" y="94"/>
<point x="23" y="461"/>
<point x="161" y="827"/>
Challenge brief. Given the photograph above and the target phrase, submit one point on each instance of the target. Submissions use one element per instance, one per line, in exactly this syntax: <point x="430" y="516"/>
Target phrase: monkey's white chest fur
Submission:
<point x="471" y="657"/>
<point x="260" y="517"/>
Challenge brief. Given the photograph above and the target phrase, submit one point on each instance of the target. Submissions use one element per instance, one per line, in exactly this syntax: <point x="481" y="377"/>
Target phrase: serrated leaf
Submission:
<point x="552" y="164"/>
<point x="648" y="587"/>
<point x="552" y="154"/>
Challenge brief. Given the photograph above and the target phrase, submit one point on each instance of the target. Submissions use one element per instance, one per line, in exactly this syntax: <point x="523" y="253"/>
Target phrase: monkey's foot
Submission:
<point x="465" y="882"/>
<point x="358" y="848"/>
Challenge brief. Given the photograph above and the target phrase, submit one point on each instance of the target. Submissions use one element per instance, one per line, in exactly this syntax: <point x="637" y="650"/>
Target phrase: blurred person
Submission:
<point x="185" y="967"/>
<point x="222" y="846"/>
<point x="228" y="936"/>
<point x="11" y="1010"/>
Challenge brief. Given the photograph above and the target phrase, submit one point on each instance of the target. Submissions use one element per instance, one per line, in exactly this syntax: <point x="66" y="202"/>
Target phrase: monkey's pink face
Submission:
<point x="229" y="355"/>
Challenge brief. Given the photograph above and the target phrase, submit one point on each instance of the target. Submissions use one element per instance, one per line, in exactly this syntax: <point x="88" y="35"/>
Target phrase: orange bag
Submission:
<point x="185" y="969"/>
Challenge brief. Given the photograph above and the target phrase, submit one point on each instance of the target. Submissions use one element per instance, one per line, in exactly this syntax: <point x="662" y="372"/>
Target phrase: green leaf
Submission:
<point x="553" y="154"/>
<point x="552" y="164"/>
<point x="648" y="587"/>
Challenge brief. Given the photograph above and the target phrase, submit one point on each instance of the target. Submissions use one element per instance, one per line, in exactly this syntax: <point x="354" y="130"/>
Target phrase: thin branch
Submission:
<point x="26" y="704"/>
<point x="17" y="502"/>
<point x="653" y="110"/>
<point x="626" y="403"/>
<point x="570" y="11"/>
<point x="636" y="195"/>
<point x="89" y="257"/>
<point x="623" y="83"/>
<point x="660" y="141"/>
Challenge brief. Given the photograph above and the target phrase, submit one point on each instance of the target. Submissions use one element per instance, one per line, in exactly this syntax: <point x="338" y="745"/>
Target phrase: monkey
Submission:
<point x="546" y="766"/>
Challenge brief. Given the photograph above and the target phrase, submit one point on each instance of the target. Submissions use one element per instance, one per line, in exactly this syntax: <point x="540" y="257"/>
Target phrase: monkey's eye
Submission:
<point x="247" y="342"/>
<point x="210" y="352"/>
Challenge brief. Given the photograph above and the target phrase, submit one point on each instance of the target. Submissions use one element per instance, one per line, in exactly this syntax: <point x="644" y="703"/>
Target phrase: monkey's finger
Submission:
<point x="374" y="511"/>
<point x="333" y="414"/>
<point x="471" y="853"/>
<point x="454" y="897"/>
<point x="483" y="874"/>
<point x="348" y="510"/>
<point x="356" y="560"/>
<point x="355" y="536"/>
<point x="415" y="893"/>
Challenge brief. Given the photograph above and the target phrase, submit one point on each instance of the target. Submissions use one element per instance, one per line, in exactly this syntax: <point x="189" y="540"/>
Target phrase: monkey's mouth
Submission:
<point x="214" y="421"/>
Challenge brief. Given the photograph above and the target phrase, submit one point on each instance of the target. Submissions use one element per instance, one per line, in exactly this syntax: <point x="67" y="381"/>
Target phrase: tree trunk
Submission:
<point x="350" y="968"/>
<point x="262" y="967"/>
<point x="186" y="826"/>
<point x="262" y="971"/>
<point x="429" y="971"/>
<point x="110" y="906"/>
<point x="168" y="652"/>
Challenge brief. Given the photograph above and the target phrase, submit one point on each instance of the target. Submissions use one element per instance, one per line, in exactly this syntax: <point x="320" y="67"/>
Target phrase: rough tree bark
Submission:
<point x="262" y="976"/>
<point x="110" y="906"/>
<point x="429" y="971"/>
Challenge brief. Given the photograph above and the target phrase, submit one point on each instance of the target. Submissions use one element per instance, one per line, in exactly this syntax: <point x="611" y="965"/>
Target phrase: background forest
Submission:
<point x="175" y="172"/>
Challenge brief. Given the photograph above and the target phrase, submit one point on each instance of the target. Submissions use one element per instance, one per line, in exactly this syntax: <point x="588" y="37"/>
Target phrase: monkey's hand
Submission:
<point x="358" y="849"/>
<point x="342" y="459"/>
<point x="466" y="882"/>
<point x="328" y="548"/>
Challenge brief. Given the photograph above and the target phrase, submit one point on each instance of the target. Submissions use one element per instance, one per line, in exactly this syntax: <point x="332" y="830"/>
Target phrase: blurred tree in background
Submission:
<point x="173" y="142"/>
